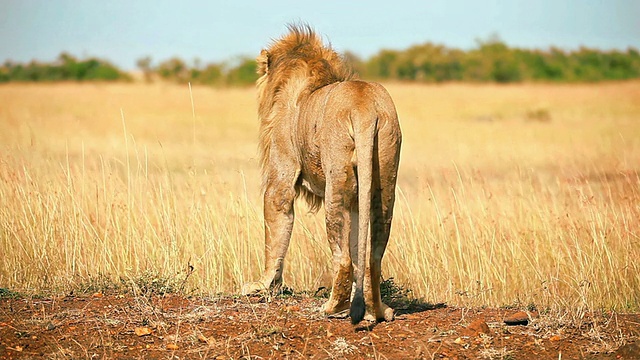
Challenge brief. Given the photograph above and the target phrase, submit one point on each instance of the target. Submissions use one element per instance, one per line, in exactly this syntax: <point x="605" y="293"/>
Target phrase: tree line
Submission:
<point x="490" y="61"/>
<point x="241" y="71"/>
<point x="493" y="61"/>
<point x="65" y="68"/>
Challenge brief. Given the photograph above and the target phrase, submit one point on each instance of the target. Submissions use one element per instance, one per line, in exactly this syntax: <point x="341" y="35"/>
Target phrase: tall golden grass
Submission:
<point x="508" y="195"/>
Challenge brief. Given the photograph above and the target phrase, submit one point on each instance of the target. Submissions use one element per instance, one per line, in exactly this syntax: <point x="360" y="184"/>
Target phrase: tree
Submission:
<point x="144" y="64"/>
<point x="244" y="73"/>
<point x="211" y="75"/>
<point x="382" y="66"/>
<point x="355" y="63"/>
<point x="173" y="69"/>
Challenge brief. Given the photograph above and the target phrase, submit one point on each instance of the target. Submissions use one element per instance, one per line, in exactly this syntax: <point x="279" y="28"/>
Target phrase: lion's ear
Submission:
<point x="263" y="62"/>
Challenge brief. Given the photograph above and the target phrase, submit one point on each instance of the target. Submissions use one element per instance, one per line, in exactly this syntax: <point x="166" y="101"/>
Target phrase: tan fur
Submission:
<point x="313" y="117"/>
<point x="304" y="65"/>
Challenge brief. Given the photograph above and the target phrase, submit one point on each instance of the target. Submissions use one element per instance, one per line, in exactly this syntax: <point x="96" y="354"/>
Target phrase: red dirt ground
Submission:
<point x="173" y="326"/>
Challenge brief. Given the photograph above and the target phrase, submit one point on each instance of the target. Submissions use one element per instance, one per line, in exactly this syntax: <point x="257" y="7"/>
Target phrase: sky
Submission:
<point x="123" y="31"/>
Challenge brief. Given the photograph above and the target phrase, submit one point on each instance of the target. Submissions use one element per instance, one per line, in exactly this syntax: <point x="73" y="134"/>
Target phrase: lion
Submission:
<point x="335" y="140"/>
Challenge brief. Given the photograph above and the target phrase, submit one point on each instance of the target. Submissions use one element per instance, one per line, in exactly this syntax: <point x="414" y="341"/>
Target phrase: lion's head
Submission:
<point x="296" y="64"/>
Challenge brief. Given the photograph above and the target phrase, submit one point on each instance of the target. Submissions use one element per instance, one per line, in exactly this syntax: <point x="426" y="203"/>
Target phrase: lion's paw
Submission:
<point x="332" y="308"/>
<point x="252" y="288"/>
<point x="369" y="317"/>
<point x="386" y="314"/>
<point x="389" y="314"/>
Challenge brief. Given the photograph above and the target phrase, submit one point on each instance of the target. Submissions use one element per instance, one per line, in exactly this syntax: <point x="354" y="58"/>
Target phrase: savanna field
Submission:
<point x="509" y="196"/>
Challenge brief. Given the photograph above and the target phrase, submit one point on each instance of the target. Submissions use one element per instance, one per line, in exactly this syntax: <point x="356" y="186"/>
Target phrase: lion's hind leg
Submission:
<point x="340" y="299"/>
<point x="340" y="221"/>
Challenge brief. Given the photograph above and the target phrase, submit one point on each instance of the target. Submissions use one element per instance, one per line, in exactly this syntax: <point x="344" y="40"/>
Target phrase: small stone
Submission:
<point x="142" y="331"/>
<point x="477" y="327"/>
<point x="519" y="318"/>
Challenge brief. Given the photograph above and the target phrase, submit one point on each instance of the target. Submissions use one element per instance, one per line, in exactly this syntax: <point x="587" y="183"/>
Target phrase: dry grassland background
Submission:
<point x="508" y="195"/>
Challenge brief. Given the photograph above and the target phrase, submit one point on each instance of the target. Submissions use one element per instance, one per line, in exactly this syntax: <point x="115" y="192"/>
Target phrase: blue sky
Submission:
<point x="123" y="31"/>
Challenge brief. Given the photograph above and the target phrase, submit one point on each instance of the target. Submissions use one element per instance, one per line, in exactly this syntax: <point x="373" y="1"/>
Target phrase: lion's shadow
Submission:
<point x="417" y="306"/>
<point x="402" y="302"/>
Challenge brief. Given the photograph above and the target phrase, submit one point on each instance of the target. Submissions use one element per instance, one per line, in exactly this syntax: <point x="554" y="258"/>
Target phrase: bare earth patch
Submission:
<point x="174" y="326"/>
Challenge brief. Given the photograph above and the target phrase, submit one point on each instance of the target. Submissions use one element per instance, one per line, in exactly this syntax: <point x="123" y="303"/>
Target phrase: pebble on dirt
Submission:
<point x="519" y="318"/>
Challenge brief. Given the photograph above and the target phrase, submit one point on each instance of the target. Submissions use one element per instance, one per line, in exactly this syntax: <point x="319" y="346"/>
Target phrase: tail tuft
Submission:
<point x="357" y="309"/>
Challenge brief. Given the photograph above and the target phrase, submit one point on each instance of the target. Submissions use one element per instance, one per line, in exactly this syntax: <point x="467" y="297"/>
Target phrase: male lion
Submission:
<point x="327" y="137"/>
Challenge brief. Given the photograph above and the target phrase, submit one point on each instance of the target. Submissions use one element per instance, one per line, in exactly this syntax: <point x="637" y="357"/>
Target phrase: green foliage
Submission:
<point x="381" y="66"/>
<point x="8" y="294"/>
<point x="212" y="74"/>
<point x="173" y="69"/>
<point x="243" y="74"/>
<point x="65" y="68"/>
<point x="493" y="61"/>
<point x="177" y="70"/>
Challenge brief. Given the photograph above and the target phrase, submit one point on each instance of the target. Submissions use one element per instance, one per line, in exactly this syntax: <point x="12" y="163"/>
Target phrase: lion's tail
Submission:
<point x="365" y="126"/>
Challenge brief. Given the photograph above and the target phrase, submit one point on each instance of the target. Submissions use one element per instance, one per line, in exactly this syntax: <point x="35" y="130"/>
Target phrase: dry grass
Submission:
<point x="518" y="195"/>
